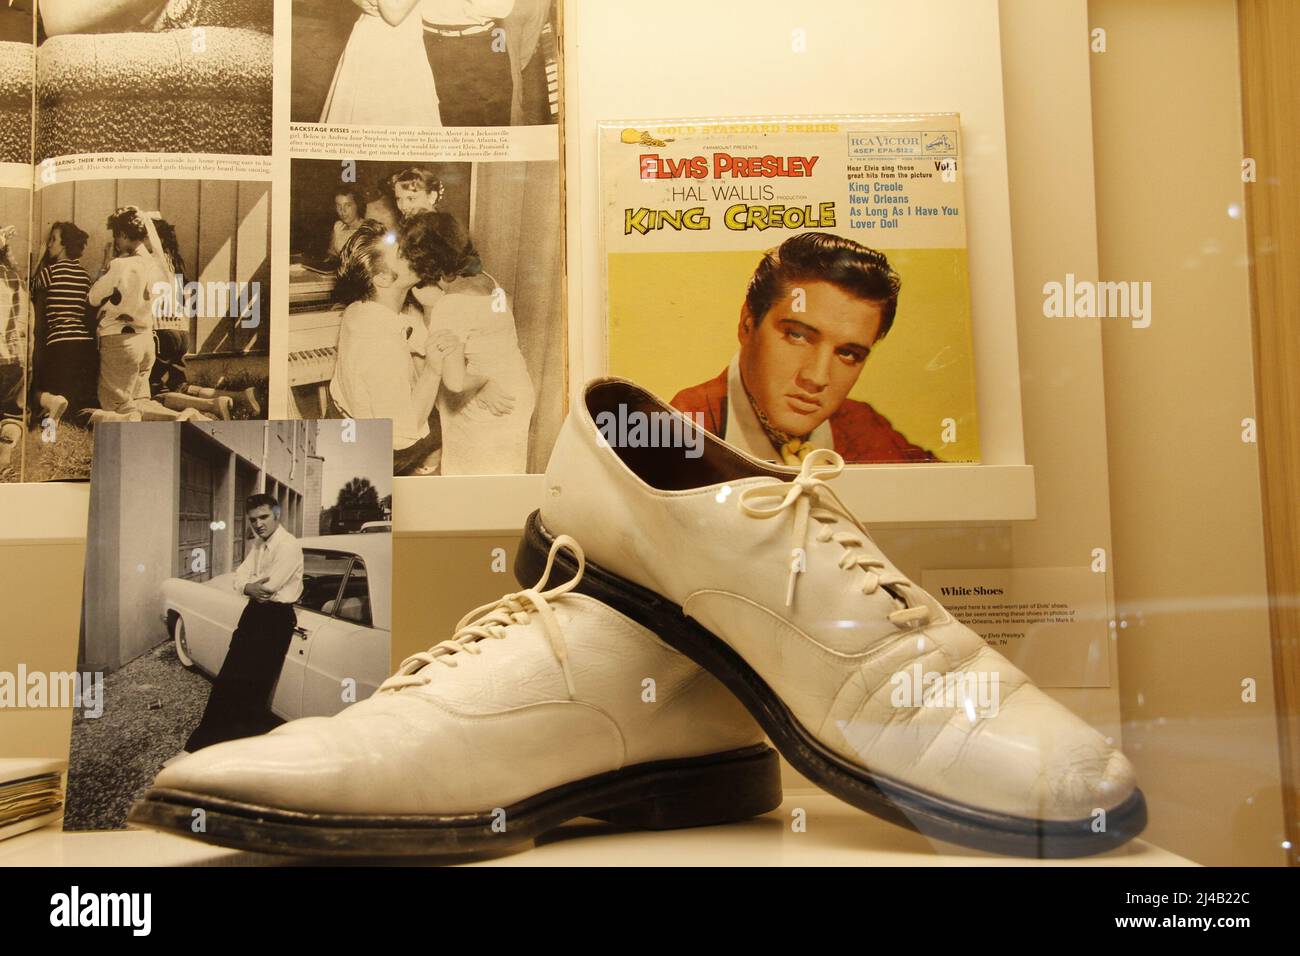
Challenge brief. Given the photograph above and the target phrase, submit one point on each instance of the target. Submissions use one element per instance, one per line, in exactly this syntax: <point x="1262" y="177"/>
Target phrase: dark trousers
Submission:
<point x="70" y="369"/>
<point x="11" y="392"/>
<point x="536" y="92"/>
<point x="404" y="459"/>
<point x="474" y="82"/>
<point x="168" y="372"/>
<point x="240" y="705"/>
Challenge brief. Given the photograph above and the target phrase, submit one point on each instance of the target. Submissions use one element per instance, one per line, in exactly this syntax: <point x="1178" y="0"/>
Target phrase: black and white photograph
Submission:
<point x="15" y="327"/>
<point x="151" y="303"/>
<point x="16" y="34"/>
<point x="430" y="63"/>
<point x="430" y="294"/>
<point x="239" y="577"/>
<point x="154" y="76"/>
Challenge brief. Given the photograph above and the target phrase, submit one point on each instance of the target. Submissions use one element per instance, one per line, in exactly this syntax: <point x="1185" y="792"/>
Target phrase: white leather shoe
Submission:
<point x="861" y="679"/>
<point x="543" y="707"/>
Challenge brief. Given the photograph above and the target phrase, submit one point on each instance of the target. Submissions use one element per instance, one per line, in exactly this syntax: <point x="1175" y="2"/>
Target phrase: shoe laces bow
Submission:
<point x="811" y="498"/>
<point x="491" y="621"/>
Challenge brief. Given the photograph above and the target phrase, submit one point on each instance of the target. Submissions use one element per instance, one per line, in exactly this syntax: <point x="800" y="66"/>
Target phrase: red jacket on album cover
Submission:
<point x="861" y="433"/>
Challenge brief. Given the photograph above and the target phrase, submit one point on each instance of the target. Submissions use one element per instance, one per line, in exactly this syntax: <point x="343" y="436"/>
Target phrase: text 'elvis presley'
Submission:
<point x="738" y="217"/>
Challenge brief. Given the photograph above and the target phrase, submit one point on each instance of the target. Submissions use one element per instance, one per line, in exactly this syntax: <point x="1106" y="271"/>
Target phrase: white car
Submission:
<point x="343" y="631"/>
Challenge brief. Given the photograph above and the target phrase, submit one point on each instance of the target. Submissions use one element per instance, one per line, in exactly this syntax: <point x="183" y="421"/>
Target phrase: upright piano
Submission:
<point x="313" y="338"/>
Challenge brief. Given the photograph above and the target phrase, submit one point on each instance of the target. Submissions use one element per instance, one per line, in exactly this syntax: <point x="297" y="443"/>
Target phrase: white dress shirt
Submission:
<point x="279" y="560"/>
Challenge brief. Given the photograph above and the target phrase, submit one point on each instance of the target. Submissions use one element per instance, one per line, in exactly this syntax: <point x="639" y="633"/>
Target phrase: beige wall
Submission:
<point x="1185" y="501"/>
<point x="42" y="609"/>
<point x="437" y="578"/>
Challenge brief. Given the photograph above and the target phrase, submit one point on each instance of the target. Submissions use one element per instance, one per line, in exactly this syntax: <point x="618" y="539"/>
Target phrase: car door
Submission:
<point x="323" y="574"/>
<point x="211" y="613"/>
<point x="349" y="657"/>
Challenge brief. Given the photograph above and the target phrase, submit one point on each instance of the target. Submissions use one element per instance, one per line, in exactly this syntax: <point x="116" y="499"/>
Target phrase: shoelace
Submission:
<point x="804" y="494"/>
<point x="491" y="621"/>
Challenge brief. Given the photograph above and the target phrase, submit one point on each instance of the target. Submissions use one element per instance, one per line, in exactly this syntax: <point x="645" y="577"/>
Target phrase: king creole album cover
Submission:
<point x="795" y="283"/>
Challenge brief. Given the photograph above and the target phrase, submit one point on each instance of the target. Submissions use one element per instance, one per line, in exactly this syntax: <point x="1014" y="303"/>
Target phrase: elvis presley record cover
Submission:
<point x="795" y="283"/>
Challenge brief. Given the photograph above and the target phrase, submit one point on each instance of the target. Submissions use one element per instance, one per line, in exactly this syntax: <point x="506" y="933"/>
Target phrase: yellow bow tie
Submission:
<point x="795" y="451"/>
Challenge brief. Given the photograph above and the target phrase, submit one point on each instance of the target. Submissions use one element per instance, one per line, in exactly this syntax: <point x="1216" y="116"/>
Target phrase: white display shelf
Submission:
<point x="836" y="835"/>
<point x="879" y="495"/>
<point x="54" y="511"/>
<point x="499" y="504"/>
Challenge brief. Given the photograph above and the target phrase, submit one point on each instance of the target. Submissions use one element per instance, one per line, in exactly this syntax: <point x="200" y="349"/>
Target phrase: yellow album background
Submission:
<point x="673" y="320"/>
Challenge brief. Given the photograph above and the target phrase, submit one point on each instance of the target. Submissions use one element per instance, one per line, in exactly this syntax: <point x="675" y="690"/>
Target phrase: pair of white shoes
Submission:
<point x="715" y="599"/>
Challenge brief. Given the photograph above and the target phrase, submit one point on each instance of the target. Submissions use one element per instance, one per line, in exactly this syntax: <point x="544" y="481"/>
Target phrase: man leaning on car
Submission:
<point x="271" y="577"/>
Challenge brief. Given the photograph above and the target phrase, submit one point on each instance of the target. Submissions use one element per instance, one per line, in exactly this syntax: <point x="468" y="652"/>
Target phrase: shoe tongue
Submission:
<point x="891" y="590"/>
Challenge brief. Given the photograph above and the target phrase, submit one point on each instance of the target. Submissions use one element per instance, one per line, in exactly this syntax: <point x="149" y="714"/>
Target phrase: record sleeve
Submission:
<point x="795" y="283"/>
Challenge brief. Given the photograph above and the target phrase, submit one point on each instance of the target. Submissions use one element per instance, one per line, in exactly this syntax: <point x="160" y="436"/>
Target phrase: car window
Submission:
<point x="322" y="574"/>
<point x="355" y="604"/>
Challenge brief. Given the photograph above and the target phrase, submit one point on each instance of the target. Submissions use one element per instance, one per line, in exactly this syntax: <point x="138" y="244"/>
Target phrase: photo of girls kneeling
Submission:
<point x="141" y="315"/>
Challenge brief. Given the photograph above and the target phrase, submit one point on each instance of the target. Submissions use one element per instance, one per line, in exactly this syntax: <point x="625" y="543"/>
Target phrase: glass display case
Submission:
<point x="1121" y="551"/>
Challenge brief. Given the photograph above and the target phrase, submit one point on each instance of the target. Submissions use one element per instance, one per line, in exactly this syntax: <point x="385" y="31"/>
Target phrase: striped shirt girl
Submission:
<point x="66" y="286"/>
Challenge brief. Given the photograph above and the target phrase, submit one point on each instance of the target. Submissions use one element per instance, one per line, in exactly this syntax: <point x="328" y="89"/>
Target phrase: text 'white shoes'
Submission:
<point x="760" y="574"/>
<point x="544" y="706"/>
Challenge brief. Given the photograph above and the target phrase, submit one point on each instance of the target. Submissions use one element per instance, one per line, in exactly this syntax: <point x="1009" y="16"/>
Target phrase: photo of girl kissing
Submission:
<point x="418" y="301"/>
<point x="440" y="309"/>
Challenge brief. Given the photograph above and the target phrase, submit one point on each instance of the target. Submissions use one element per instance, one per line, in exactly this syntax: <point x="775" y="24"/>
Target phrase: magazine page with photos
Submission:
<point x="795" y="283"/>
<point x="240" y="577"/>
<point x="425" y="229"/>
<point x="151" y="218"/>
<point x="165" y="279"/>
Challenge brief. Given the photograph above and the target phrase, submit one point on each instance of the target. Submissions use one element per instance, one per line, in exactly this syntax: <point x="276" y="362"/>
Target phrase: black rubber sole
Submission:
<point x="662" y="795"/>
<point x="933" y="816"/>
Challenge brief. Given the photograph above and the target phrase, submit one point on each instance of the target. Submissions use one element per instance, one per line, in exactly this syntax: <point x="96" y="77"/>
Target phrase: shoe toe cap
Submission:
<point x="1093" y="777"/>
<point x="294" y="766"/>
